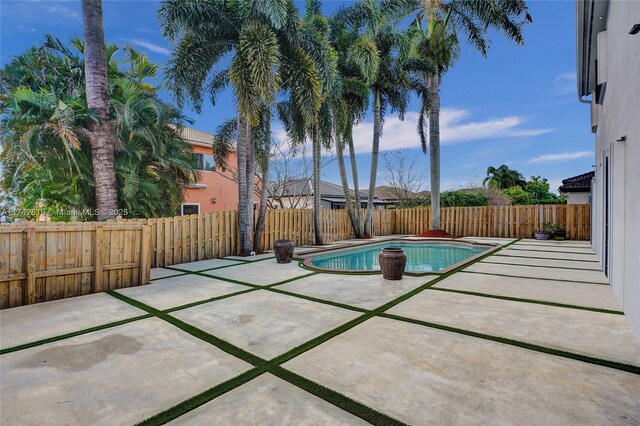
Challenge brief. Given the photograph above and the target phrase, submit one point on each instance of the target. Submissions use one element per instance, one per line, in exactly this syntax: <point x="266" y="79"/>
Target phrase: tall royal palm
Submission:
<point x="442" y="20"/>
<point x="309" y="78"/>
<point x="206" y="32"/>
<point x="97" y="92"/>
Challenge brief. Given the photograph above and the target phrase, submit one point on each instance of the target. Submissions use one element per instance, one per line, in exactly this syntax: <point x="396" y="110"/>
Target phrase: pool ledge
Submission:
<point x="306" y="258"/>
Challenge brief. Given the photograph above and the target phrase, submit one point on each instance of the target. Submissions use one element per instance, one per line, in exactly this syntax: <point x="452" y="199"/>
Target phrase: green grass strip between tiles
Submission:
<point x="538" y="348"/>
<point x="339" y="400"/>
<point x="72" y="334"/>
<point x="211" y="299"/>
<point x="535" y="278"/>
<point x="194" y="331"/>
<point x="543" y="266"/>
<point x="534" y="301"/>
<point x="168" y="276"/>
<point x="202" y="398"/>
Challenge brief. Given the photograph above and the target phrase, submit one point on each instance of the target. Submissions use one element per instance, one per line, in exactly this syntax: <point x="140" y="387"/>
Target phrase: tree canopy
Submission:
<point x="46" y="153"/>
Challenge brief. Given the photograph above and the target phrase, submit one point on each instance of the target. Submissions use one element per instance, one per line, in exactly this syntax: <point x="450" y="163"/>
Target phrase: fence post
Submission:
<point x="31" y="265"/>
<point x="97" y="252"/>
<point x="145" y="255"/>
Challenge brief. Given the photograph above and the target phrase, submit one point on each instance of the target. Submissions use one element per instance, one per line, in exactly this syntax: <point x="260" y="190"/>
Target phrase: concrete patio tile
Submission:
<point x="262" y="273"/>
<point x="255" y="258"/>
<point x="363" y="291"/>
<point x="588" y="295"/>
<point x="600" y="335"/>
<point x="265" y="323"/>
<point x="30" y="323"/>
<point x="564" y="244"/>
<point x="547" y="255"/>
<point x="559" y="249"/>
<point x="592" y="266"/>
<point x="120" y="375"/>
<point x="206" y="264"/>
<point x="176" y="291"/>
<point x="163" y="272"/>
<point x="268" y="400"/>
<point x="555" y="242"/>
<point x="421" y="375"/>
<point x="538" y="272"/>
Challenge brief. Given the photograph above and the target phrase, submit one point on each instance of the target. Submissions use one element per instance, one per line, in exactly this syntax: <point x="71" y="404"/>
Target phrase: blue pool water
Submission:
<point x="421" y="257"/>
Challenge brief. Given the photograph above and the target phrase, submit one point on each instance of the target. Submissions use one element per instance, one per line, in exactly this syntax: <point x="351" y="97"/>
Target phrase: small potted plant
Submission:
<point x="544" y="234"/>
<point x="559" y="232"/>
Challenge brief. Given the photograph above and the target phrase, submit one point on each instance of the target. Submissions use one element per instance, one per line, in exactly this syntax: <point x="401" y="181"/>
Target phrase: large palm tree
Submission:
<point x="254" y="33"/>
<point x="349" y="107"/>
<point x="97" y="93"/>
<point x="310" y="80"/>
<point x="503" y="177"/>
<point x="442" y="20"/>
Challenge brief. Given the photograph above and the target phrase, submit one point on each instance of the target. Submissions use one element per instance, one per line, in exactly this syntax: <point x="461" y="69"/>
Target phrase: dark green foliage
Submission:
<point x="534" y="191"/>
<point x="463" y="198"/>
<point x="503" y="177"/>
<point x="46" y="155"/>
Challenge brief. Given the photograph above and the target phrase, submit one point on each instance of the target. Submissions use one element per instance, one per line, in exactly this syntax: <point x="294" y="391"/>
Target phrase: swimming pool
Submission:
<point x="422" y="256"/>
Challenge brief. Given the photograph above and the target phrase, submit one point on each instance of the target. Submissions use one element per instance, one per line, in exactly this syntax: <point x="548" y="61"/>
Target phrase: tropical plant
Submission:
<point x="97" y="95"/>
<point x="253" y="33"/>
<point x="503" y="177"/>
<point x="441" y="21"/>
<point x="463" y="198"/>
<point x="46" y="148"/>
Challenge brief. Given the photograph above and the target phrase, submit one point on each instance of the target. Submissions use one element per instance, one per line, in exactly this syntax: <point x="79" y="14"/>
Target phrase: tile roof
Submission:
<point x="580" y="183"/>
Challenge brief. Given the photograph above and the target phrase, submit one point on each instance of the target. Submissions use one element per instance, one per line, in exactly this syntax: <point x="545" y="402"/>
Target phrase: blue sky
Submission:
<point x="516" y="107"/>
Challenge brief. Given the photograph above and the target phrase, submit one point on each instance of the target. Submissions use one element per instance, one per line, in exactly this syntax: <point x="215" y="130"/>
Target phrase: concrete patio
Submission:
<point x="530" y="334"/>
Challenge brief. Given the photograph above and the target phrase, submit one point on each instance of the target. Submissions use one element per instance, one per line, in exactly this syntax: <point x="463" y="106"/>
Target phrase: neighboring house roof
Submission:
<point x="197" y="137"/>
<point x="580" y="183"/>
<point x="304" y="187"/>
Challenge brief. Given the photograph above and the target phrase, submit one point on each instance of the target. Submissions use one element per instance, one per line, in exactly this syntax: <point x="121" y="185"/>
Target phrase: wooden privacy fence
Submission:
<point x="183" y="239"/>
<point x="44" y="261"/>
<point x="499" y="221"/>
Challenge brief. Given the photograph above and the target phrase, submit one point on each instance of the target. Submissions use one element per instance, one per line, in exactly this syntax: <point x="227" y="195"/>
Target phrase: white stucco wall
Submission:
<point x="620" y="117"/>
<point x="578" y="198"/>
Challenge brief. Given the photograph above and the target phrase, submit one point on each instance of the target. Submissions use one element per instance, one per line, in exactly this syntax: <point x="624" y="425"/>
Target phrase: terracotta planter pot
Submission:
<point x="283" y="250"/>
<point x="392" y="263"/>
<point x="542" y="235"/>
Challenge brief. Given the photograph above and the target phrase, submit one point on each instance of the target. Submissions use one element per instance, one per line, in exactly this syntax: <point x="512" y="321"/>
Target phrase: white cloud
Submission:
<point x="565" y="156"/>
<point x="399" y="134"/>
<point x="151" y="46"/>
<point x="564" y="83"/>
<point x="65" y="11"/>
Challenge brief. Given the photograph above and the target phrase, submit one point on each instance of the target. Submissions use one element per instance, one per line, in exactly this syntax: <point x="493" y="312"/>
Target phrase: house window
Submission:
<point x="205" y="162"/>
<point x="190" y="208"/>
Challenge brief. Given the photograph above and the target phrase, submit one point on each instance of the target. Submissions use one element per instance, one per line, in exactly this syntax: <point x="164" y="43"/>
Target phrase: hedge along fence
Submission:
<point x="47" y="261"/>
<point x="183" y="239"/>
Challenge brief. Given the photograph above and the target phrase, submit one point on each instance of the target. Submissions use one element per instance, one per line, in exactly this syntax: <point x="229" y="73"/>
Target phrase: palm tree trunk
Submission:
<point x="434" y="149"/>
<point x="317" y="205"/>
<point x="264" y="195"/>
<point x="356" y="187"/>
<point x="241" y="154"/>
<point x="97" y="92"/>
<point x="375" y="150"/>
<point x="345" y="183"/>
<point x="251" y="177"/>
